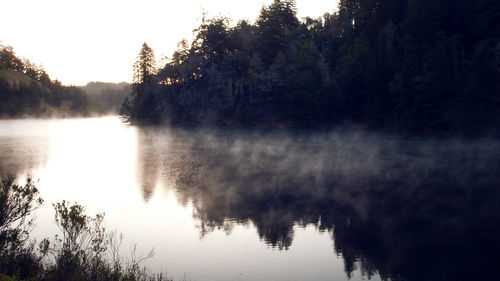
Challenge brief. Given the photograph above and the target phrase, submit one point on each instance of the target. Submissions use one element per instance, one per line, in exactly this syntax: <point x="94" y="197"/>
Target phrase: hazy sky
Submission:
<point x="78" y="41"/>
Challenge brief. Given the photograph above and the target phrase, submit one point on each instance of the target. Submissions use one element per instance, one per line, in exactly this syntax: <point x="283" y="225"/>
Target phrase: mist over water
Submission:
<point x="392" y="207"/>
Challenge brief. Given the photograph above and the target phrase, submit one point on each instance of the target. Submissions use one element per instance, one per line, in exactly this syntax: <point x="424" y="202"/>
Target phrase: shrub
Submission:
<point x="17" y="204"/>
<point x="83" y="251"/>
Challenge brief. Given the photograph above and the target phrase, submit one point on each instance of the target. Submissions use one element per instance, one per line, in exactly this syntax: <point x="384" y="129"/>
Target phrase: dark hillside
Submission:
<point x="26" y="90"/>
<point x="107" y="97"/>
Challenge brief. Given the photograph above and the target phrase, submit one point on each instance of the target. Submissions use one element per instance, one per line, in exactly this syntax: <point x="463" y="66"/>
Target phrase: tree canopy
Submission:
<point x="144" y="66"/>
<point x="27" y="90"/>
<point x="405" y="66"/>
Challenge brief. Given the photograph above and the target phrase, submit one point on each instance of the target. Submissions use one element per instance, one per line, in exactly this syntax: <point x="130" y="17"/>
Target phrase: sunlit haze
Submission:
<point x="82" y="41"/>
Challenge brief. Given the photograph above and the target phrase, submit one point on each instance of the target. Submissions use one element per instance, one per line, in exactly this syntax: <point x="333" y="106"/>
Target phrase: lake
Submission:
<point x="272" y="204"/>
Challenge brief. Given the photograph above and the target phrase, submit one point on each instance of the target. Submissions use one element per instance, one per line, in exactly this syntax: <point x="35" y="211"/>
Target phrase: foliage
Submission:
<point x="84" y="250"/>
<point x="141" y="100"/>
<point x="144" y="66"/>
<point x="405" y="66"/>
<point x="17" y="204"/>
<point x="26" y="90"/>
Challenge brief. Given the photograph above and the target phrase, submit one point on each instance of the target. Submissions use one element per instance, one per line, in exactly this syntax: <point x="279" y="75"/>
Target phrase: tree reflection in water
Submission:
<point x="405" y="208"/>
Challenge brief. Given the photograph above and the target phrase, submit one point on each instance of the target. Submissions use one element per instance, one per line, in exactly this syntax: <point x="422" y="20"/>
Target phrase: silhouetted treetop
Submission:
<point x="144" y="66"/>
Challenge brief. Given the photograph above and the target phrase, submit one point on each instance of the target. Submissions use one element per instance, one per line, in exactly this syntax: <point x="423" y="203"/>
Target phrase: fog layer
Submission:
<point x="408" y="208"/>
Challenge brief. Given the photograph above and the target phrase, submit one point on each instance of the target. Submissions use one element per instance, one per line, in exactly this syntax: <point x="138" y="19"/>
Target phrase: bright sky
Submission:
<point x="78" y="41"/>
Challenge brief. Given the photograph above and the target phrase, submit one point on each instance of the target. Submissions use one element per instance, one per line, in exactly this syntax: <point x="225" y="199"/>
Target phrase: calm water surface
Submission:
<point x="246" y="205"/>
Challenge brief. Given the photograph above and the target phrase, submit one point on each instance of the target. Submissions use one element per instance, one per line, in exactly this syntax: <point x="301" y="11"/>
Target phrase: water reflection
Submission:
<point x="403" y="208"/>
<point x="396" y="208"/>
<point x="24" y="146"/>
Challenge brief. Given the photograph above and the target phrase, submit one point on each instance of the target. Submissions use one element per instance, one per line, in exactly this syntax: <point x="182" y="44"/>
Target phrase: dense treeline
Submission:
<point x="418" y="66"/>
<point x="27" y="90"/>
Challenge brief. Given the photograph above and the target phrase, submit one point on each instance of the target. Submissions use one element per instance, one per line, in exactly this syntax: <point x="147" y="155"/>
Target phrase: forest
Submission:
<point x="407" y="66"/>
<point x="27" y="90"/>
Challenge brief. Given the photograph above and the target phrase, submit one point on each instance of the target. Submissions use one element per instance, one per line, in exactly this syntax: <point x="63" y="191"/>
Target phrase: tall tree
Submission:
<point x="8" y="59"/>
<point x="143" y="100"/>
<point x="144" y="66"/>
<point x="275" y="23"/>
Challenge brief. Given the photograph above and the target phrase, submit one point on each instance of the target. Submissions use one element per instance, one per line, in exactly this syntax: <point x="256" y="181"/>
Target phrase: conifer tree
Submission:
<point x="144" y="66"/>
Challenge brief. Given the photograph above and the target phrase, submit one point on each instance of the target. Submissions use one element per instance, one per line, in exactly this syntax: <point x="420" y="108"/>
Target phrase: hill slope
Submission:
<point x="26" y="90"/>
<point x="106" y="97"/>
